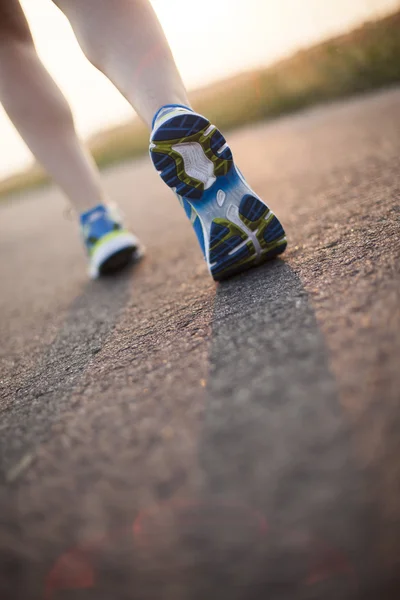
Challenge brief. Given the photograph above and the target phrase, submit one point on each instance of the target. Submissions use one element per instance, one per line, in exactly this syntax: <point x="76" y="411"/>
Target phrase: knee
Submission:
<point x="16" y="42"/>
<point x="15" y="45"/>
<point x="15" y="51"/>
<point x="14" y="28"/>
<point x="83" y="21"/>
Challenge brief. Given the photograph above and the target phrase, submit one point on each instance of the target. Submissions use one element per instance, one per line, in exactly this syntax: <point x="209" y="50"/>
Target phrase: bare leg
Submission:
<point x="124" y="40"/>
<point x="40" y="112"/>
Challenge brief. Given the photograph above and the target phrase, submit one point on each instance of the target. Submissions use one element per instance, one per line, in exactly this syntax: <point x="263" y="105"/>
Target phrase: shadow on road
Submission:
<point x="45" y="391"/>
<point x="280" y="510"/>
<point x="276" y="441"/>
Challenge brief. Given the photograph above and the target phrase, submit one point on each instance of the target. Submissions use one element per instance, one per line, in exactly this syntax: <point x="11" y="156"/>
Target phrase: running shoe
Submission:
<point x="235" y="228"/>
<point x="109" y="245"/>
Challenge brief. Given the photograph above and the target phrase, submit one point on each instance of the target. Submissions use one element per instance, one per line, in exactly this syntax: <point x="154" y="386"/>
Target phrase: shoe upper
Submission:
<point x="97" y="223"/>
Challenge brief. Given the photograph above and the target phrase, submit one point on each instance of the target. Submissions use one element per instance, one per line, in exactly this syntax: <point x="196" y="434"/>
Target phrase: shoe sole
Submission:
<point x="114" y="253"/>
<point x="239" y="230"/>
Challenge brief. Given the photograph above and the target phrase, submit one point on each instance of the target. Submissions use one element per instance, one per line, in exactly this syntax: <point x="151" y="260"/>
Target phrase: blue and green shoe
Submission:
<point x="235" y="228"/>
<point x="109" y="245"/>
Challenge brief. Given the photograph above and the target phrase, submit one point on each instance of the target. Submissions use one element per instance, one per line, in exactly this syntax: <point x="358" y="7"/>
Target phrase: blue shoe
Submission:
<point x="110" y="247"/>
<point x="235" y="228"/>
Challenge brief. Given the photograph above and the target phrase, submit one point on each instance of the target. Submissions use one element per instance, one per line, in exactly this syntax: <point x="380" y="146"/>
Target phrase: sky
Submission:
<point x="245" y="34"/>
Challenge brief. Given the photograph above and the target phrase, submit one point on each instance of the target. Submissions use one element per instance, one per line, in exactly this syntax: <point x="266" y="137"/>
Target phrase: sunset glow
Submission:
<point x="224" y="37"/>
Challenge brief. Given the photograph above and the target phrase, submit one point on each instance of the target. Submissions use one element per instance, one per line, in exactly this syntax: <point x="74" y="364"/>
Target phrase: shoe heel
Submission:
<point x="248" y="237"/>
<point x="190" y="154"/>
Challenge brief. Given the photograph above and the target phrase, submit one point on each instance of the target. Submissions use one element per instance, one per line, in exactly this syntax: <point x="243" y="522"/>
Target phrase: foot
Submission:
<point x="110" y="247"/>
<point x="235" y="228"/>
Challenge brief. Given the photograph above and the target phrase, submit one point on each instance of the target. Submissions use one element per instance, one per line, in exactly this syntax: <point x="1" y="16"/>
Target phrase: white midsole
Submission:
<point x="110" y="247"/>
<point x="229" y="210"/>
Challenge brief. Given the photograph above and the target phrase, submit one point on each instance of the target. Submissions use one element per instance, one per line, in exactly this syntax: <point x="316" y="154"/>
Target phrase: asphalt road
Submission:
<point x="166" y="438"/>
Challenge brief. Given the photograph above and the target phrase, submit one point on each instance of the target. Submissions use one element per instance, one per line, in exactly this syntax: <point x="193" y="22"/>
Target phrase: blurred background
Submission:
<point x="252" y="54"/>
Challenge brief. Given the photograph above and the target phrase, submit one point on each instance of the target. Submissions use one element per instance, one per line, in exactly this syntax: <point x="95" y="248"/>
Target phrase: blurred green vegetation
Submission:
<point x="364" y="59"/>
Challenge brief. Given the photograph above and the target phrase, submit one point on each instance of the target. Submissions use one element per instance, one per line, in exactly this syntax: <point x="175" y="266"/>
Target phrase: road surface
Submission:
<point x="165" y="437"/>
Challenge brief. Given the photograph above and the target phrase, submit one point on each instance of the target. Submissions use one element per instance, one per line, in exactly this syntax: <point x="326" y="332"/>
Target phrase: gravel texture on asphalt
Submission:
<point x="174" y="439"/>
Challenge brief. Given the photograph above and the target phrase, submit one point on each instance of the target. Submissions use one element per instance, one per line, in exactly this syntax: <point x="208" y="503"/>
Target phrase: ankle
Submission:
<point x="166" y="110"/>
